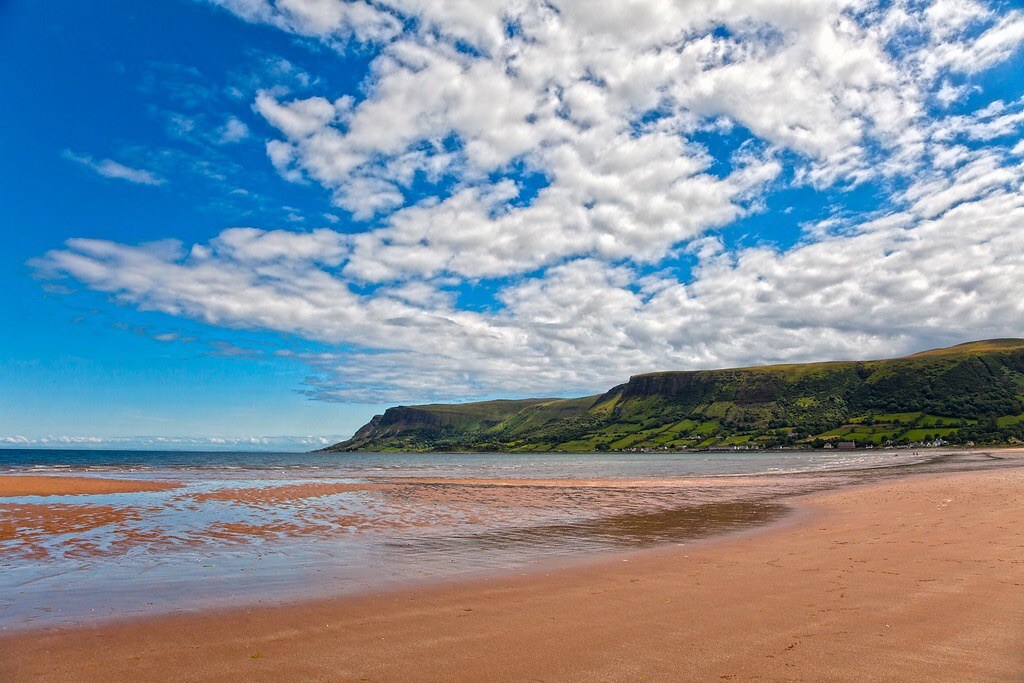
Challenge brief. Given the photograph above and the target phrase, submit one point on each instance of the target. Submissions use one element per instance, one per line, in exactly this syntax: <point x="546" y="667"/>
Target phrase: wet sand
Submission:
<point x="463" y="512"/>
<point x="915" y="578"/>
<point x="268" y="495"/>
<point x="29" y="485"/>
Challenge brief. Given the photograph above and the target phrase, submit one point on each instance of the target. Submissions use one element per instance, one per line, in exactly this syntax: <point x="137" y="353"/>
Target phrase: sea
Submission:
<point x="145" y="463"/>
<point x="237" y="529"/>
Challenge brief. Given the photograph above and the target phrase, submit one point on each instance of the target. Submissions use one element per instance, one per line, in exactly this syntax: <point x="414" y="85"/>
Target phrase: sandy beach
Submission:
<point x="30" y="485"/>
<point x="917" y="578"/>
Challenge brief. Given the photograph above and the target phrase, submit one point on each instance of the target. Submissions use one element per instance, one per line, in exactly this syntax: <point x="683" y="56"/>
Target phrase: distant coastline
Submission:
<point x="966" y="395"/>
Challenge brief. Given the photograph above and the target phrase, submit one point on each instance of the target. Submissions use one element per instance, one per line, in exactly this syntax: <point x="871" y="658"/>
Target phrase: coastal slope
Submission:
<point x="969" y="393"/>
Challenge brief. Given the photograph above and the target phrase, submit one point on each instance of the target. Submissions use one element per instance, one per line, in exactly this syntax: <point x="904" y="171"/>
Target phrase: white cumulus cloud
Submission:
<point x="572" y="151"/>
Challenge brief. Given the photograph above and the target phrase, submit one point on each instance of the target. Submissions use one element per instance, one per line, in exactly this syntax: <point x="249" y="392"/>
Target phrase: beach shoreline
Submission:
<point x="912" y="578"/>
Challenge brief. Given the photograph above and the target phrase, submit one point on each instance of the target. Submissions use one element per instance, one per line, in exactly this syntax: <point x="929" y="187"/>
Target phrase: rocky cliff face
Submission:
<point x="694" y="388"/>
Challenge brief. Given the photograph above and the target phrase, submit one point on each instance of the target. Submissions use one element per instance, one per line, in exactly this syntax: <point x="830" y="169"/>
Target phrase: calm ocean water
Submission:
<point x="476" y="465"/>
<point x="243" y="528"/>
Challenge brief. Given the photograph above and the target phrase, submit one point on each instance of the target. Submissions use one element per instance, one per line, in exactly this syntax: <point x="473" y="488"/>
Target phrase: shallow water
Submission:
<point x="245" y="528"/>
<point x="478" y="465"/>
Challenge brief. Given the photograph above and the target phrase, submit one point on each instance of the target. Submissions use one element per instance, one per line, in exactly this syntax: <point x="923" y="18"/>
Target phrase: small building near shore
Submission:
<point x="846" y="445"/>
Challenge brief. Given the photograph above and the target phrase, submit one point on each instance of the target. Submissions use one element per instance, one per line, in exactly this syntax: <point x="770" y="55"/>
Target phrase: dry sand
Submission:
<point x="30" y="485"/>
<point x="915" y="579"/>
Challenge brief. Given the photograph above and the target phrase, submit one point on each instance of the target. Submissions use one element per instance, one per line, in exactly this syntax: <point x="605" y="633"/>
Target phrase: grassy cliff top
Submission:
<point x="966" y="349"/>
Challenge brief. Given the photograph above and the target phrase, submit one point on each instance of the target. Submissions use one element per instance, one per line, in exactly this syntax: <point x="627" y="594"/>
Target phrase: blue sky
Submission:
<point x="240" y="218"/>
<point x="103" y="84"/>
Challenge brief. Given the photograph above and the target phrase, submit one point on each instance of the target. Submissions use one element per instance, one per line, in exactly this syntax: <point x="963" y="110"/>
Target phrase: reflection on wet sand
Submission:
<point x="29" y="530"/>
<point x="323" y="535"/>
<point x="626" y="530"/>
<point x="273" y="495"/>
<point x="426" y="511"/>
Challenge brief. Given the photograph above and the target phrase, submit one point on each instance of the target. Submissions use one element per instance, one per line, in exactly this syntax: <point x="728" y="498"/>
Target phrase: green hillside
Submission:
<point x="967" y="393"/>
